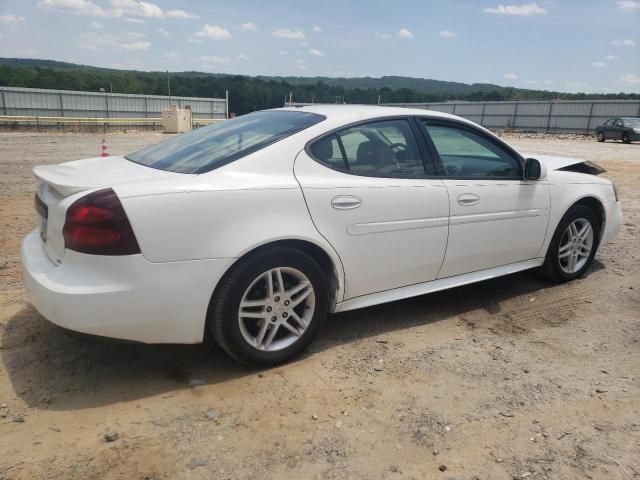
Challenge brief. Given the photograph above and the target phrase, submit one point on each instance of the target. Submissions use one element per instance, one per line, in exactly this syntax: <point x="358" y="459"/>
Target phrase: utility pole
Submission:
<point x="290" y="99"/>
<point x="378" y="100"/>
<point x="169" y="88"/>
<point x="226" y="104"/>
<point x="111" y="87"/>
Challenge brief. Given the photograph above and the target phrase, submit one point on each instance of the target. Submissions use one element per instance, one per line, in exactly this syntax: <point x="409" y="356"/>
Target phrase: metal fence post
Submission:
<point x="106" y="102"/>
<point x="515" y="116"/>
<point x="549" y="116"/>
<point x="589" y="119"/>
<point x="4" y="102"/>
<point x="454" y="108"/>
<point x="482" y="114"/>
<point x="61" y="105"/>
<point x="146" y="108"/>
<point x="636" y="115"/>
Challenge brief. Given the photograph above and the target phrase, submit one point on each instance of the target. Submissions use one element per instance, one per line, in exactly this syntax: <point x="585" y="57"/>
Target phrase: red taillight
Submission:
<point x="97" y="224"/>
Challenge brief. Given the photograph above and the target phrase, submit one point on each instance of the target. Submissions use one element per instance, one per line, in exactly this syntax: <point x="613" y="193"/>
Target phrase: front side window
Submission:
<point x="618" y="122"/>
<point x="465" y="153"/>
<point x="385" y="148"/>
<point x="210" y="147"/>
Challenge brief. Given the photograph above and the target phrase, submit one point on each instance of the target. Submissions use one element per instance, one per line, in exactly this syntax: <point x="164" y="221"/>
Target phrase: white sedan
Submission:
<point x="256" y="228"/>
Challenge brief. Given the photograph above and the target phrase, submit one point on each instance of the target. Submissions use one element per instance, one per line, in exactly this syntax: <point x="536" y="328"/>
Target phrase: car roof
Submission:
<point x="353" y="113"/>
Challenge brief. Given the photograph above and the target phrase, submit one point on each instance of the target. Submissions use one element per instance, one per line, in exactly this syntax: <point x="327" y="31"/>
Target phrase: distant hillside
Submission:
<point x="252" y="93"/>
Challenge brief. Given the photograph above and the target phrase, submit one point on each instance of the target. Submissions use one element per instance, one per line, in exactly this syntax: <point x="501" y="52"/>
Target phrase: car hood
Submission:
<point x="553" y="162"/>
<point x="79" y="175"/>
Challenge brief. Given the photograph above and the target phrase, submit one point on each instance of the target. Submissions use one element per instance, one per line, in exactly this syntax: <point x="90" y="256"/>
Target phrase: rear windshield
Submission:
<point x="631" y="122"/>
<point x="210" y="147"/>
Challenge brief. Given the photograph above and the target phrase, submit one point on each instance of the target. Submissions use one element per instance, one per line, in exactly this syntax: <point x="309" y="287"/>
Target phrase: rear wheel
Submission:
<point x="269" y="307"/>
<point x="573" y="245"/>
<point x="600" y="137"/>
<point x="626" y="138"/>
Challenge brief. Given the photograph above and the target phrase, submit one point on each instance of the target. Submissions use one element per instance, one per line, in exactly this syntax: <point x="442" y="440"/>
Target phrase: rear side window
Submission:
<point x="385" y="148"/>
<point x="210" y="147"/>
<point x="465" y="153"/>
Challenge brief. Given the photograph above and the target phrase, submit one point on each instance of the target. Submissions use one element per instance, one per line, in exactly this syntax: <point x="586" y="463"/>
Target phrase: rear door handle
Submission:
<point x="345" y="202"/>
<point x="468" y="199"/>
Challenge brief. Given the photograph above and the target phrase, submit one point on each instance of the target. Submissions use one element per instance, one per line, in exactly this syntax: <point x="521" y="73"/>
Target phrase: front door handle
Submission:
<point x="345" y="202"/>
<point x="468" y="199"/>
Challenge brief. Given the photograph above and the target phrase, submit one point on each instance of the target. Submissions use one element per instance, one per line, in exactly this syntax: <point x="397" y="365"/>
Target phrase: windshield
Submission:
<point x="631" y="122"/>
<point x="210" y="147"/>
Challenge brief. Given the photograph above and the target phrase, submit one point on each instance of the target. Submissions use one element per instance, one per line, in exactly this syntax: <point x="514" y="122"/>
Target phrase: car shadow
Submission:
<point x="52" y="368"/>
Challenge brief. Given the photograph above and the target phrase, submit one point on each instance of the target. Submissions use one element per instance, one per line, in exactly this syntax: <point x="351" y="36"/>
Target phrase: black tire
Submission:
<point x="600" y="137"/>
<point x="222" y="317"/>
<point x="551" y="267"/>
<point x="626" y="138"/>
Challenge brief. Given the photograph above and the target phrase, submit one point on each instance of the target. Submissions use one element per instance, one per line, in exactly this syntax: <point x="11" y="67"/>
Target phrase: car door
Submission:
<point x="607" y="128"/>
<point x="617" y="130"/>
<point x="371" y="194"/>
<point x="496" y="218"/>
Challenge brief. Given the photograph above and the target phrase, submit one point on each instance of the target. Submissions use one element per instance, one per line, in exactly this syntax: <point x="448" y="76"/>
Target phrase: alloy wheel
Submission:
<point x="276" y="309"/>
<point x="575" y="245"/>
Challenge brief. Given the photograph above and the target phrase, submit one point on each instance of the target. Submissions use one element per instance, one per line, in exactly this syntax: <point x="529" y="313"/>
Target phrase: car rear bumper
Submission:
<point x="613" y="221"/>
<point x="124" y="297"/>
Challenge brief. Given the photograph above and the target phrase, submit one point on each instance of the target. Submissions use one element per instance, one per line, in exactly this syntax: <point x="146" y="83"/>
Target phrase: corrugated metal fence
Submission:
<point x="571" y="116"/>
<point x="68" y="103"/>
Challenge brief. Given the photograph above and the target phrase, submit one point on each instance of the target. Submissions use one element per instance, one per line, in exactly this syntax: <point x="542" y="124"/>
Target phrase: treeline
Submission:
<point x="247" y="94"/>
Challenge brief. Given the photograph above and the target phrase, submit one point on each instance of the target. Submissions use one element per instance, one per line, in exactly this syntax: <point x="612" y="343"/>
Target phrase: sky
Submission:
<point x="565" y="45"/>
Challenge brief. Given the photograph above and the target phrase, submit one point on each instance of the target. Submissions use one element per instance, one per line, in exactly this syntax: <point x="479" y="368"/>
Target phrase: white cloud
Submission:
<point x="611" y="57"/>
<point x="96" y="25"/>
<point x="248" y="27"/>
<point x="128" y="41"/>
<point x="316" y="52"/>
<point x="448" y="33"/>
<point x="163" y="32"/>
<point x="628" y="5"/>
<point x="211" y="60"/>
<point x="599" y="64"/>
<point x="317" y="28"/>
<point x="215" y="32"/>
<point x="289" y="34"/>
<point x="28" y="52"/>
<point x="304" y="44"/>
<point x="11" y="19"/>
<point x="524" y="10"/>
<point x="301" y="66"/>
<point x="532" y="82"/>
<point x="80" y="7"/>
<point x="627" y="42"/>
<point x="404" y="33"/>
<point x="548" y="82"/>
<point x="138" y="21"/>
<point x="172" y="55"/>
<point x="243" y="57"/>
<point x="119" y="8"/>
<point x="631" y="78"/>
<point x="145" y="9"/>
<point x="385" y="36"/>
<point x="510" y="76"/>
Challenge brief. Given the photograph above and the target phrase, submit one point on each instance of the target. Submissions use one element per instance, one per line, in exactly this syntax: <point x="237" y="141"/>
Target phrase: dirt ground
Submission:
<point x="509" y="379"/>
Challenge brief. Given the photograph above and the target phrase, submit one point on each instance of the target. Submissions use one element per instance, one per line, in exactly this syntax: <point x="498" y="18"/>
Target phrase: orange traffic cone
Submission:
<point x="105" y="149"/>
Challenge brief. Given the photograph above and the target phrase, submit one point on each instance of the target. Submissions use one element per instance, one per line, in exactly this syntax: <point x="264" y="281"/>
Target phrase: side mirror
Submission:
<point x="534" y="170"/>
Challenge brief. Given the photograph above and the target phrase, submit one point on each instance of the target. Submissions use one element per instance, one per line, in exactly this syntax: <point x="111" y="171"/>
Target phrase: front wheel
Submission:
<point x="573" y="245"/>
<point x="626" y="138"/>
<point x="600" y="137"/>
<point x="269" y="307"/>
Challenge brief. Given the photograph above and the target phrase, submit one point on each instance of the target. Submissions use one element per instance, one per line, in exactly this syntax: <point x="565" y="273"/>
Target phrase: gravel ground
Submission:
<point x="513" y="378"/>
